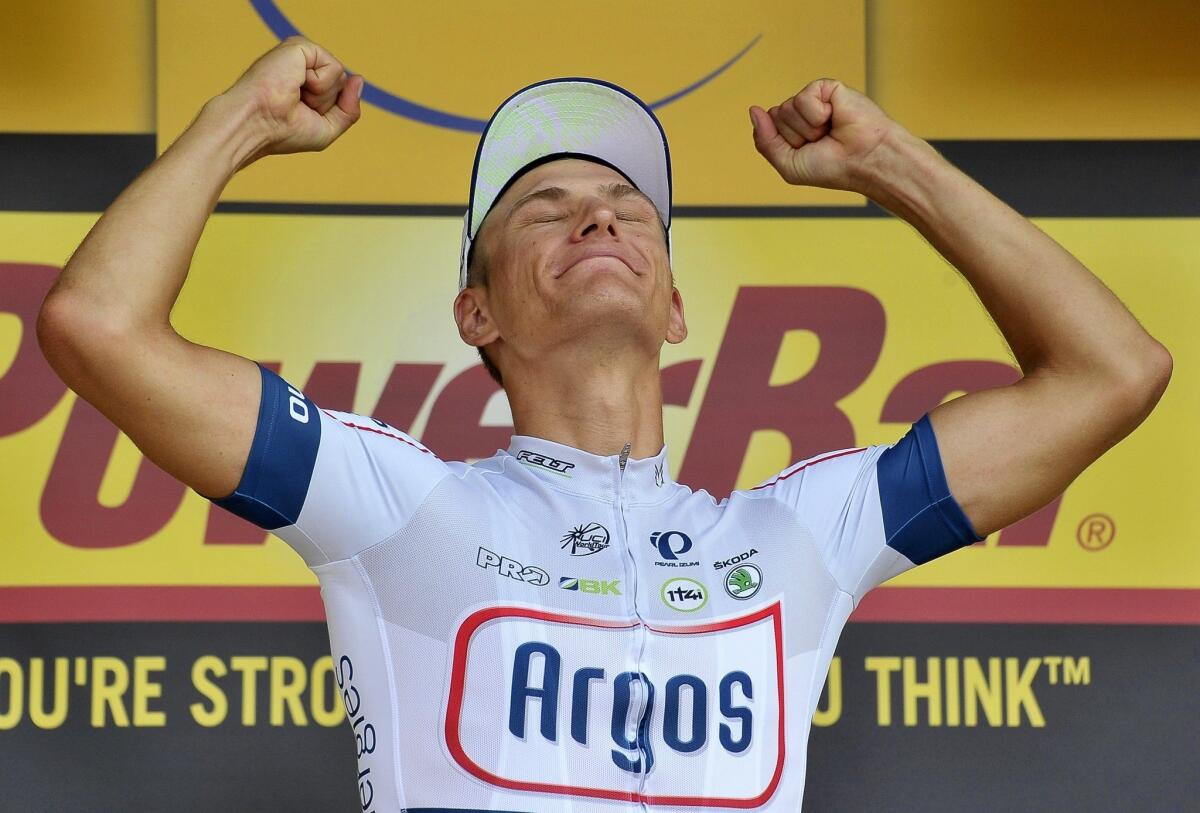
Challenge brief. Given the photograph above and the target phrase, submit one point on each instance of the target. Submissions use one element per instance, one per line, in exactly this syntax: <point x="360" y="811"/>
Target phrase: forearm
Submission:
<point x="129" y="269"/>
<point x="1055" y="314"/>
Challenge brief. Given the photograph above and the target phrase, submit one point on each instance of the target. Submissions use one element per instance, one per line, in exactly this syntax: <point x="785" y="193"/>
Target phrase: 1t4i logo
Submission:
<point x="685" y="595"/>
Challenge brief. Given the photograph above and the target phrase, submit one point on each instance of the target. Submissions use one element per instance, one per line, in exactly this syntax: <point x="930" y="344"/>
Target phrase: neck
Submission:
<point x="597" y="404"/>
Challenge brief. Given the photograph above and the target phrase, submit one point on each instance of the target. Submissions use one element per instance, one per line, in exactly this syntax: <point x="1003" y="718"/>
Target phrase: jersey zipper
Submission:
<point x="641" y="627"/>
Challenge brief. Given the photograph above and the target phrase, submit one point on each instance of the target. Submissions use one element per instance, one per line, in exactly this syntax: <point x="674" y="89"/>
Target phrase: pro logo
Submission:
<point x="511" y="568"/>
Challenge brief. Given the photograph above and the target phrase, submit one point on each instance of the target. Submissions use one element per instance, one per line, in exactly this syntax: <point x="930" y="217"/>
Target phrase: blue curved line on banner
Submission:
<point x="282" y="28"/>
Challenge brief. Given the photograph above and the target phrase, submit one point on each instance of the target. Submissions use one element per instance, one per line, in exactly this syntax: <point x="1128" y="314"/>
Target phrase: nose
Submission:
<point x="599" y="217"/>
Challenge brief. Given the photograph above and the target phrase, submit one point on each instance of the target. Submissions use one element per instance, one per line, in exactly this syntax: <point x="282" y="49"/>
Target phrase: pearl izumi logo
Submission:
<point x="671" y="545"/>
<point x="511" y="568"/>
<point x="584" y="540"/>
<point x="546" y="462"/>
<point x="743" y="581"/>
<point x="684" y="595"/>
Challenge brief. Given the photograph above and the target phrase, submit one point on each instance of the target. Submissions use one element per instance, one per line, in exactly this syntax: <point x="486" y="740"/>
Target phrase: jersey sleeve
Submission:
<point x="877" y="511"/>
<point x="328" y="483"/>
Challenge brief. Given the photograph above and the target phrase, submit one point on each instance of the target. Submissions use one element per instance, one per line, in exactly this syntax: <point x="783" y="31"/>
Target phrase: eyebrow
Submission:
<point x="612" y="191"/>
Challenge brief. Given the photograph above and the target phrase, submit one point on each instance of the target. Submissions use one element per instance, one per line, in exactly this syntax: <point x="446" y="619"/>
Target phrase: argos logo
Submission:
<point x="684" y="730"/>
<point x="577" y="722"/>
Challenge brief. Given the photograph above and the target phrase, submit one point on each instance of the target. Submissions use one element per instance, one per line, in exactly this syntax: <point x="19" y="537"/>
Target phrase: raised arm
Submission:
<point x="1091" y="373"/>
<point x="105" y="325"/>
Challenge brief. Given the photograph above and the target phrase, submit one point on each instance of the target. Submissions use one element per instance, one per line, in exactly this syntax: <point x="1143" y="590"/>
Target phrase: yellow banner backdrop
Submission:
<point x="356" y="310"/>
<point x="436" y="71"/>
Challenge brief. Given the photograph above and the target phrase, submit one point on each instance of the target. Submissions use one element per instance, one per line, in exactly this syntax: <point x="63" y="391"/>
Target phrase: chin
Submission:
<point x="617" y="312"/>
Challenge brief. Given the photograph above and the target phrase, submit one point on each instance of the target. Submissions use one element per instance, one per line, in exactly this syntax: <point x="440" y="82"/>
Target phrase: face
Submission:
<point x="573" y="254"/>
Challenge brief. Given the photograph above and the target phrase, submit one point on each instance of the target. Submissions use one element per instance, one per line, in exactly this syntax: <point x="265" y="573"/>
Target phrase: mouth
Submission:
<point x="595" y="257"/>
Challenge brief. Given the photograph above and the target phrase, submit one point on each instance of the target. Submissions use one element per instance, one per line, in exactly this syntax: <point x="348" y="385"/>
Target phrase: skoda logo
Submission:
<point x="671" y="544"/>
<point x="743" y="581"/>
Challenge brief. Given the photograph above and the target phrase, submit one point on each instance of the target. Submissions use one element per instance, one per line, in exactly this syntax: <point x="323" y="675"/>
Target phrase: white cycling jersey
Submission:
<point x="550" y="630"/>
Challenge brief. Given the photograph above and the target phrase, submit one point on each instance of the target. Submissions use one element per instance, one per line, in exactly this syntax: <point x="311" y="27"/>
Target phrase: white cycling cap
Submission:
<point x="567" y="118"/>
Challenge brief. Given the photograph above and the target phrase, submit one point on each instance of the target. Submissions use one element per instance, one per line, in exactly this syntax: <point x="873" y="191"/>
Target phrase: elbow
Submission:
<point x="73" y="337"/>
<point x="1160" y="366"/>
<point x="1143" y="379"/>
<point x="53" y="333"/>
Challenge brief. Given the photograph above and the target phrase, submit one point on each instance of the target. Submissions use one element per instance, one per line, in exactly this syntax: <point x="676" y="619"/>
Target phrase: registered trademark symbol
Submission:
<point x="1096" y="532"/>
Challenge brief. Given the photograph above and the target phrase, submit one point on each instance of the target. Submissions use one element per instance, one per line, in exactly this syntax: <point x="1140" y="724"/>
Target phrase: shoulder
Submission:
<point x="835" y="464"/>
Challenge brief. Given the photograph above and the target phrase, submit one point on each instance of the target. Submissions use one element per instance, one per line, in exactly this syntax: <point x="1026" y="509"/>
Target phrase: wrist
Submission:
<point x="236" y="128"/>
<point x="901" y="171"/>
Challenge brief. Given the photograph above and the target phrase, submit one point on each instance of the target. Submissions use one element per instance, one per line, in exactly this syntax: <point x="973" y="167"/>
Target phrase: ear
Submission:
<point x="677" y="328"/>
<point x="475" y="324"/>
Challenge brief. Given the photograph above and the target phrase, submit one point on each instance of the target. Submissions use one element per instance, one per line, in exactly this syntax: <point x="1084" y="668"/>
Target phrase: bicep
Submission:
<point x="212" y="410"/>
<point x="1009" y="451"/>
<point x="190" y="409"/>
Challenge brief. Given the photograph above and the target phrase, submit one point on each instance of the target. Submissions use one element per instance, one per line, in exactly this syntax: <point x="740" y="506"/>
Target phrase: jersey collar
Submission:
<point x="571" y="469"/>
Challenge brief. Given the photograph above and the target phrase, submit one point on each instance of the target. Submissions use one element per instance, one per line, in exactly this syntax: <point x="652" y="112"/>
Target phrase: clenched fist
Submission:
<point x="301" y="95"/>
<point x="823" y="136"/>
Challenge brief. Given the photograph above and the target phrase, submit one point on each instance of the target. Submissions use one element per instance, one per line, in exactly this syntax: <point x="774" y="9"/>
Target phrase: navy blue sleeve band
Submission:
<point x="921" y="518"/>
<point x="280" y="466"/>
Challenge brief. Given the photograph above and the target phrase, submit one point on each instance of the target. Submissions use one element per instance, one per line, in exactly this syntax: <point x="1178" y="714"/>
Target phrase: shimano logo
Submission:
<point x="545" y="462"/>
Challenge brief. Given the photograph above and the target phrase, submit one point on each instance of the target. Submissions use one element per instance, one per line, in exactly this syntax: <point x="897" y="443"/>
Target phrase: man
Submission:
<point x="603" y="637"/>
